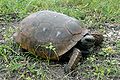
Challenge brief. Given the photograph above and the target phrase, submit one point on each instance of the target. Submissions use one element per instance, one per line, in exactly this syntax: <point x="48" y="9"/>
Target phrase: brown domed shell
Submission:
<point x="49" y="34"/>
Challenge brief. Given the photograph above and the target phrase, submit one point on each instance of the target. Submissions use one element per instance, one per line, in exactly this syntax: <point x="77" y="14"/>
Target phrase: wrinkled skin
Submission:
<point x="82" y="49"/>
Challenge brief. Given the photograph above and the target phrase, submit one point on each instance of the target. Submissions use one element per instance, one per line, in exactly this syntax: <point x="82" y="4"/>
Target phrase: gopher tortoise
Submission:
<point x="49" y="34"/>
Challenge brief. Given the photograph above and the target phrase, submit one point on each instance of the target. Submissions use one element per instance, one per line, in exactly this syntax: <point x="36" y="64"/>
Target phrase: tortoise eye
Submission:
<point x="90" y="40"/>
<point x="86" y="34"/>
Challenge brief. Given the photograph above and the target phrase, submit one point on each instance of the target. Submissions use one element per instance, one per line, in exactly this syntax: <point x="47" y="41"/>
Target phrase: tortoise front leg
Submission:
<point x="74" y="59"/>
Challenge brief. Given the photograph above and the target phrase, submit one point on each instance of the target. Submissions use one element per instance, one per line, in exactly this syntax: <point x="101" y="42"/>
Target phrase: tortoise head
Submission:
<point x="87" y="41"/>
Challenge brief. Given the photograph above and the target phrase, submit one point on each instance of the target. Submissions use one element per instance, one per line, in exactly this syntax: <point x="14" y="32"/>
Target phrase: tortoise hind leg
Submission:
<point x="23" y="50"/>
<point x="74" y="59"/>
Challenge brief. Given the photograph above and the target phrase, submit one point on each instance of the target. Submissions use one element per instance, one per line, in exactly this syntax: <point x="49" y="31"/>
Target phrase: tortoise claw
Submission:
<point x="66" y="69"/>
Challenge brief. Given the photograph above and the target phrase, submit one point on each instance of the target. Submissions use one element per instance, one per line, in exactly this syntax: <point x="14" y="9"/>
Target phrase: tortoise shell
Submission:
<point x="49" y="34"/>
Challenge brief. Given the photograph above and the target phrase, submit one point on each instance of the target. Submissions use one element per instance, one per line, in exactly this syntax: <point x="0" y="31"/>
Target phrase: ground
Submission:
<point x="100" y="15"/>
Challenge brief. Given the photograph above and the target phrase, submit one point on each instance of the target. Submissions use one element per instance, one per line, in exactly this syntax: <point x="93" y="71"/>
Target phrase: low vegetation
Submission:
<point x="102" y="15"/>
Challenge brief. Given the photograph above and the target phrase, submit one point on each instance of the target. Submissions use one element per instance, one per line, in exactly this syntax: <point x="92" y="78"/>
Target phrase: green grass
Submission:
<point x="80" y="9"/>
<point x="93" y="13"/>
